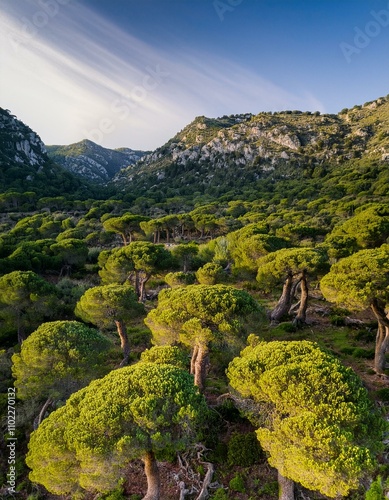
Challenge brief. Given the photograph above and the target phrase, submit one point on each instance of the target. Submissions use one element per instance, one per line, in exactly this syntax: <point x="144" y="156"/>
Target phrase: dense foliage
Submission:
<point x="142" y="410"/>
<point x="314" y="417"/>
<point x="275" y="224"/>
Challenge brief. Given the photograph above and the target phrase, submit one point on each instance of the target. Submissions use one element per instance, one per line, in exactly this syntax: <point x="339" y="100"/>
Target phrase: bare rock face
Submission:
<point x="19" y="144"/>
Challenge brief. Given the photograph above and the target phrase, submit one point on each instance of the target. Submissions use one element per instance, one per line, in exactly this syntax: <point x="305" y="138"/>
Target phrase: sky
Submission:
<point x="133" y="73"/>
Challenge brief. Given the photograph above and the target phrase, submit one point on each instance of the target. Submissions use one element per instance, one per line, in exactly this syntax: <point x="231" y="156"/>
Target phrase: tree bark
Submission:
<point x="124" y="342"/>
<point x="142" y="284"/>
<point x="41" y="415"/>
<point x="382" y="339"/>
<point x="152" y="475"/>
<point x="302" y="311"/>
<point x="193" y="359"/>
<point x="200" y="366"/>
<point x="283" y="304"/>
<point x="286" y="488"/>
<point x="203" y="495"/>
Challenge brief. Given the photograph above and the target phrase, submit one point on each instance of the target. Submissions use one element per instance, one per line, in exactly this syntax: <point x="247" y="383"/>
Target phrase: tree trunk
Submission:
<point x="41" y="416"/>
<point x="382" y="339"/>
<point x="193" y="359"/>
<point x="302" y="311"/>
<point x="142" y="285"/>
<point x="124" y="238"/>
<point x="204" y="494"/>
<point x="200" y="366"/>
<point x="283" y="304"/>
<point x="152" y="475"/>
<point x="286" y="488"/>
<point x="124" y="343"/>
<point x="136" y="284"/>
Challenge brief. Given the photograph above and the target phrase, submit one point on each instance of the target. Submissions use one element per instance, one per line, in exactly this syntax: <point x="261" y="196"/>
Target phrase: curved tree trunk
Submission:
<point x="142" y="285"/>
<point x="124" y="342"/>
<point x="200" y="364"/>
<point x="286" y="488"/>
<point x="152" y="475"/>
<point x="302" y="311"/>
<point x="284" y="301"/>
<point x="382" y="339"/>
<point x="41" y="416"/>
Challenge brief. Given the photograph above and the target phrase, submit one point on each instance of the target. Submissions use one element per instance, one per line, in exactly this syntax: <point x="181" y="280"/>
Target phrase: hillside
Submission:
<point x="235" y="153"/>
<point x="92" y="161"/>
<point x="24" y="163"/>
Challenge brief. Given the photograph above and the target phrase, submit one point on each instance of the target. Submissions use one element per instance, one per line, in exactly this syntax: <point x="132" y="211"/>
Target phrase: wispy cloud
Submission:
<point x="78" y="73"/>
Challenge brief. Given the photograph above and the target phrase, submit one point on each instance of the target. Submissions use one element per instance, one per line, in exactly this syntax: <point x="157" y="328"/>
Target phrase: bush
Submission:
<point x="210" y="274"/>
<point x="180" y="279"/>
<point x="287" y="327"/>
<point x="376" y="490"/>
<point x="237" y="484"/>
<point x="382" y="394"/>
<point x="244" y="449"/>
<point x="220" y="494"/>
<point x="363" y="353"/>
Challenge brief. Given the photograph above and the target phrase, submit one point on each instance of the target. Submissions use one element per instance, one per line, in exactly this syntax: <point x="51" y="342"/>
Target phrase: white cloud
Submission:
<point x="78" y="74"/>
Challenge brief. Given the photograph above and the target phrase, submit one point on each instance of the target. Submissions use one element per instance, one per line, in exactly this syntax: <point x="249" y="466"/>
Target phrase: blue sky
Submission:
<point x="134" y="72"/>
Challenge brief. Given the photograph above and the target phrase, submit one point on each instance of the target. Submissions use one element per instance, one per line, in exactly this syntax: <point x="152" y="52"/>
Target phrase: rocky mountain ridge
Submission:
<point x="25" y="164"/>
<point x="88" y="159"/>
<point x="245" y="148"/>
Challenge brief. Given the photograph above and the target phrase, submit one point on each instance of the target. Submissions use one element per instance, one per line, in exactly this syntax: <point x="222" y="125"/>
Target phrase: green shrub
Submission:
<point x="237" y="484"/>
<point x="382" y="394"/>
<point x="287" y="327"/>
<point x="180" y="279"/>
<point x="244" y="449"/>
<point x="337" y="320"/>
<point x="220" y="494"/>
<point x="363" y="353"/>
<point x="269" y="488"/>
<point x="376" y="490"/>
<point x="210" y="274"/>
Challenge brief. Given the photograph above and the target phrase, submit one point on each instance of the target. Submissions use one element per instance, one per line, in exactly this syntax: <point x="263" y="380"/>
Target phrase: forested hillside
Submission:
<point x="212" y="323"/>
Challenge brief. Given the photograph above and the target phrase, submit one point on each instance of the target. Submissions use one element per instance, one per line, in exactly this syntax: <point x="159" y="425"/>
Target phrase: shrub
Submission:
<point x="363" y="353"/>
<point x="220" y="494"/>
<point x="382" y="394"/>
<point x="237" y="484"/>
<point x="210" y="274"/>
<point x="180" y="279"/>
<point x="376" y="490"/>
<point x="244" y="449"/>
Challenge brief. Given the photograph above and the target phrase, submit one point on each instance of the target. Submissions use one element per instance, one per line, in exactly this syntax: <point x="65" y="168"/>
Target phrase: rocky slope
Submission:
<point x="236" y="150"/>
<point x="24" y="163"/>
<point x="92" y="161"/>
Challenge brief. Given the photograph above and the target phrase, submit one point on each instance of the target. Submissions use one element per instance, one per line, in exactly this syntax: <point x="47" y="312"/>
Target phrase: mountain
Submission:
<point x="24" y="163"/>
<point x="236" y="152"/>
<point x="92" y="161"/>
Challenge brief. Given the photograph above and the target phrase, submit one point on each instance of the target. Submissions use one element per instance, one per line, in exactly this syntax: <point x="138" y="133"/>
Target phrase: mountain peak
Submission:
<point x="90" y="160"/>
